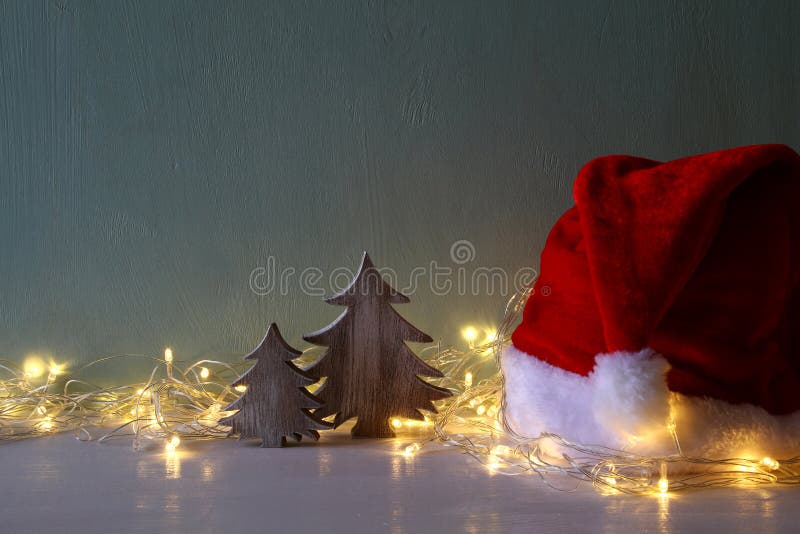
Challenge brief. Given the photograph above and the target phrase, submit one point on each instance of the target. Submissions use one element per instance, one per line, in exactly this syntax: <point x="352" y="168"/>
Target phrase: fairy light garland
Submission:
<point x="472" y="422"/>
<point x="178" y="404"/>
<point x="183" y="404"/>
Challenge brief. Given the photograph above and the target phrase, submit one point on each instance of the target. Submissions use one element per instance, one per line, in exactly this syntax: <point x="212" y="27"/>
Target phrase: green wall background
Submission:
<point x="153" y="153"/>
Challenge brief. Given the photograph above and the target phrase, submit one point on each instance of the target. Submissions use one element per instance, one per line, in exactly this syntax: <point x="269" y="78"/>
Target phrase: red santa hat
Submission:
<point x="668" y="295"/>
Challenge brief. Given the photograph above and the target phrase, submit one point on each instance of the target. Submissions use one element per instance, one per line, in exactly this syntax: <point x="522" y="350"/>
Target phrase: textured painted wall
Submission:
<point x="152" y="154"/>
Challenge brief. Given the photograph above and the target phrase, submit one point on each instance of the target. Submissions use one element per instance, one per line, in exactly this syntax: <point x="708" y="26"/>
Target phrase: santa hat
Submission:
<point x="668" y="295"/>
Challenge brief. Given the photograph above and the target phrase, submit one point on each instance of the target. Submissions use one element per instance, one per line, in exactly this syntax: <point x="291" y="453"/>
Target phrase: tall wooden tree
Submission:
<point x="371" y="373"/>
<point x="276" y="404"/>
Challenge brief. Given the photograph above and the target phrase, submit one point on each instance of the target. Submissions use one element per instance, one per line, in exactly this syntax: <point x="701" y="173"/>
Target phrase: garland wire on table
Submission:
<point x="176" y="404"/>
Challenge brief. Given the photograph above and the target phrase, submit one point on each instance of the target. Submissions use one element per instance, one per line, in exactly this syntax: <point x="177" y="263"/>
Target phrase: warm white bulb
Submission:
<point x="168" y="355"/>
<point x="470" y="334"/>
<point x="480" y="410"/>
<point x="397" y="423"/>
<point x="204" y="373"/>
<point x="411" y="450"/>
<point x="771" y="464"/>
<point x="663" y="482"/>
<point x="33" y="367"/>
<point x="492" y="462"/>
<point x="241" y="388"/>
<point x="172" y="444"/>
<point x="56" y="369"/>
<point x="468" y="379"/>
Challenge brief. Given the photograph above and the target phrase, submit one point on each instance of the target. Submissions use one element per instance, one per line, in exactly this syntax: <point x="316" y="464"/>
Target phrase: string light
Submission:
<point x="663" y="481"/>
<point x="186" y="404"/>
<point x="56" y="369"/>
<point x="550" y="455"/>
<point x="172" y="444"/>
<point x="46" y="424"/>
<point x="499" y="450"/>
<point x="470" y="334"/>
<point x="33" y="367"/>
<point x="771" y="464"/>
<point x="492" y="462"/>
<point x="411" y="450"/>
<point x="468" y="379"/>
<point x="177" y="405"/>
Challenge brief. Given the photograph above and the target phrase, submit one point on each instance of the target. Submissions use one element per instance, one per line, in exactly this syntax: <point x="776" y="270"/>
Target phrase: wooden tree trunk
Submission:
<point x="377" y="427"/>
<point x="272" y="440"/>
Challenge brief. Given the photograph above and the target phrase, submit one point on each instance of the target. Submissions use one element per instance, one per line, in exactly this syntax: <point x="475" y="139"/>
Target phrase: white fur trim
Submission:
<point x="624" y="404"/>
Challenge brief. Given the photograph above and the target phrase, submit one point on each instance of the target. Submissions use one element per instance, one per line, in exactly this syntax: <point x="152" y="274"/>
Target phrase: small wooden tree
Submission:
<point x="371" y="373"/>
<point x="276" y="403"/>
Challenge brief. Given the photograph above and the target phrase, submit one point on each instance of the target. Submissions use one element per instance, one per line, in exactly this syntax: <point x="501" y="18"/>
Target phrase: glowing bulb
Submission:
<point x="770" y="463"/>
<point x="492" y="411"/>
<point x="168" y="355"/>
<point x="470" y="334"/>
<point x="663" y="482"/>
<point x="204" y="373"/>
<point x="241" y="388"/>
<point x="56" y="369"/>
<point x="397" y="423"/>
<point x="468" y="379"/>
<point x="172" y="444"/>
<point x="492" y="462"/>
<point x="33" y="367"/>
<point x="500" y="449"/>
<point x="491" y="336"/>
<point x="480" y="410"/>
<point x="42" y="410"/>
<point x="411" y="450"/>
<point x="47" y="424"/>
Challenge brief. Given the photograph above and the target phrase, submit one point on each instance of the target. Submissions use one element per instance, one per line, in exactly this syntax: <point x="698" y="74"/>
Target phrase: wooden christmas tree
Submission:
<point x="276" y="403"/>
<point x="371" y="373"/>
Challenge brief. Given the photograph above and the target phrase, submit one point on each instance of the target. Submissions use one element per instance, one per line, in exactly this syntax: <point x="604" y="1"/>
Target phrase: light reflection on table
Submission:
<point x="336" y="485"/>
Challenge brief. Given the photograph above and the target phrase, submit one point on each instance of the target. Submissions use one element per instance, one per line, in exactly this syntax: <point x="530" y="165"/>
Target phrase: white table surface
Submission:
<point x="57" y="484"/>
